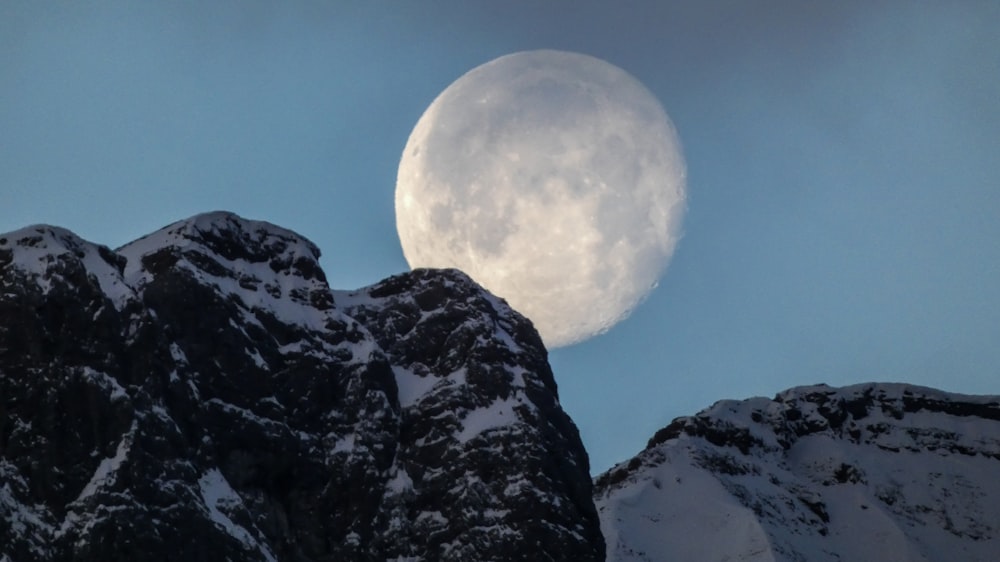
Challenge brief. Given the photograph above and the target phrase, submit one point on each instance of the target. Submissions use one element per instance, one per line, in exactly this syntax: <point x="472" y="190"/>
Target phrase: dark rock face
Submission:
<point x="479" y="408"/>
<point x="201" y="394"/>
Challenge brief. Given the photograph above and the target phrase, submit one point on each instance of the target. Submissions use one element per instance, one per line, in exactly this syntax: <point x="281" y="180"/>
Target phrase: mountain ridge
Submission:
<point x="875" y="470"/>
<point x="201" y="393"/>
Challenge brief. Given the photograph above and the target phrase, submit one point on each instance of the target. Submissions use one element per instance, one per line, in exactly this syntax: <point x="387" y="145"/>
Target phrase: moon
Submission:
<point x="555" y="180"/>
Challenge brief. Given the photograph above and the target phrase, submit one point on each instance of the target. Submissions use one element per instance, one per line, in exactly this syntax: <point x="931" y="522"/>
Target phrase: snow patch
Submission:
<point x="400" y="482"/>
<point x="105" y="475"/>
<point x="412" y="387"/>
<point x="498" y="414"/>
<point x="219" y="498"/>
<point x="106" y="382"/>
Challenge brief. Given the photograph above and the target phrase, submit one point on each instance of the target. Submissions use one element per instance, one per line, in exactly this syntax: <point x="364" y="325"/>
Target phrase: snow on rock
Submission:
<point x="817" y="473"/>
<point x="499" y="414"/>
<point x="106" y="471"/>
<point x="220" y="499"/>
<point x="266" y="267"/>
<point x="475" y="391"/>
<point x="49" y="254"/>
<point x="203" y="394"/>
<point x="115" y="391"/>
<point x="29" y="525"/>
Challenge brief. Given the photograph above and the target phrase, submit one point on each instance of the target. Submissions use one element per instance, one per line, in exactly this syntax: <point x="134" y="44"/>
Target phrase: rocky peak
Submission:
<point x="227" y="407"/>
<point x="41" y="256"/>
<point x="264" y="266"/>
<point x="865" y="413"/>
<point x="475" y="387"/>
<point x="438" y="322"/>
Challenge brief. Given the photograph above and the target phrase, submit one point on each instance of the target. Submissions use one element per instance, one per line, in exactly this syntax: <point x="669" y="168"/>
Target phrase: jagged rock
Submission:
<point x="872" y="471"/>
<point x="201" y="394"/>
<point x="475" y="389"/>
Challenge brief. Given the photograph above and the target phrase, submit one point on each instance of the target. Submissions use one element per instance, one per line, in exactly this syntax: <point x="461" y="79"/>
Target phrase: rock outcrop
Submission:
<point x="202" y="394"/>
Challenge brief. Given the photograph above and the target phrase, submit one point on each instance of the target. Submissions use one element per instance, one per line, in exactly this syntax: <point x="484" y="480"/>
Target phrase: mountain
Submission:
<point x="887" y="472"/>
<point x="202" y="394"/>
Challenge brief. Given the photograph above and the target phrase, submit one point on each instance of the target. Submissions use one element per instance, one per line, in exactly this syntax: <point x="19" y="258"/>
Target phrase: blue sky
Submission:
<point x="843" y="166"/>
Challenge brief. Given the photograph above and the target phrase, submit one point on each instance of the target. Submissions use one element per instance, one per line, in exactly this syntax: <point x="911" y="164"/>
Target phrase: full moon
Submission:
<point x="553" y="179"/>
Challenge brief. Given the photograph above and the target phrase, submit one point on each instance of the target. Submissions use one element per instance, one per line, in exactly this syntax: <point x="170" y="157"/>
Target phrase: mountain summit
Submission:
<point x="888" y="472"/>
<point x="202" y="394"/>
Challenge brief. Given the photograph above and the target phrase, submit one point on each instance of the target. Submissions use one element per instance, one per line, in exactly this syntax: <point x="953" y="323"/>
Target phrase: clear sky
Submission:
<point x="843" y="166"/>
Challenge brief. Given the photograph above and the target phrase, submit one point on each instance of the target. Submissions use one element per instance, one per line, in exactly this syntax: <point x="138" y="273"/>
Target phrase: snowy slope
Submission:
<point x="867" y="472"/>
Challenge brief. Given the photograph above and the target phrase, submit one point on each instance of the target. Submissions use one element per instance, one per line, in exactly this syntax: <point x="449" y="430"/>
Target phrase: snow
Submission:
<point x="357" y="299"/>
<point x="344" y="445"/>
<point x="26" y="522"/>
<point x="106" y="382"/>
<point x="219" y="498"/>
<point x="257" y="359"/>
<point x="256" y="285"/>
<point x="435" y="517"/>
<point x="37" y="248"/>
<point x="178" y="354"/>
<point x="412" y="388"/>
<point x="504" y="312"/>
<point x="164" y="415"/>
<point x="400" y="482"/>
<point x="362" y="351"/>
<point x="480" y="420"/>
<point x="105" y="475"/>
<point x="906" y="493"/>
<point x="249" y="415"/>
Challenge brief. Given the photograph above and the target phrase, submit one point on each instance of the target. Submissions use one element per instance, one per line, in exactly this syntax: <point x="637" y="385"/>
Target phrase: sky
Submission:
<point x="843" y="164"/>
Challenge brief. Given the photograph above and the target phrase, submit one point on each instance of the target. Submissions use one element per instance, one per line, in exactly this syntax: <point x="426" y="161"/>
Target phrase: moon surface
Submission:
<point x="553" y="179"/>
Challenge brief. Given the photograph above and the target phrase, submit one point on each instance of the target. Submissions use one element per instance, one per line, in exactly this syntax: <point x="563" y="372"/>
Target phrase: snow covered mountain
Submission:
<point x="202" y="394"/>
<point x="886" y="472"/>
